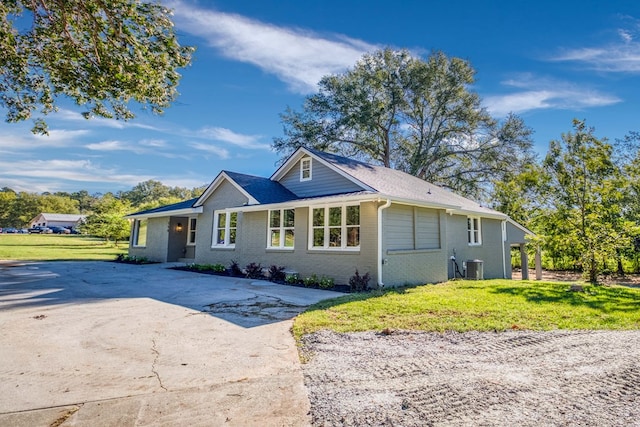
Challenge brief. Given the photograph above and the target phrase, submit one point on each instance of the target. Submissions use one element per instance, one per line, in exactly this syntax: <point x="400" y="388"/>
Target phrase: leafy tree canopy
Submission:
<point x="410" y="114"/>
<point x="102" y="54"/>
<point x="585" y="199"/>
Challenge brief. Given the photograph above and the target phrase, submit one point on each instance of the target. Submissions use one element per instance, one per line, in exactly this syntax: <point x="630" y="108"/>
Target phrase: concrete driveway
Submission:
<point x="100" y="343"/>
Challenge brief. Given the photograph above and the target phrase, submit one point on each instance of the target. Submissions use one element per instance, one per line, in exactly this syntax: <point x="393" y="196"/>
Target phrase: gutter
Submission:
<point x="380" y="209"/>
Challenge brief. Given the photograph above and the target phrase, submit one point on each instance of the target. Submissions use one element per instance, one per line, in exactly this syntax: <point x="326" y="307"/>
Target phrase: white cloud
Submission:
<point x="539" y="93"/>
<point x="155" y="143"/>
<point x="113" y="145"/>
<point x="60" y="137"/>
<point x="68" y="170"/>
<point x="227" y="135"/>
<point x="74" y="116"/>
<point x="145" y="146"/>
<point x="28" y="141"/>
<point x="298" y="57"/>
<point x="211" y="149"/>
<point x="623" y="55"/>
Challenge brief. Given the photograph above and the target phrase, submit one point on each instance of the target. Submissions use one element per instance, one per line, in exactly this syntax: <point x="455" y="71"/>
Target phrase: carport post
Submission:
<point x="524" y="259"/>
<point x="538" y="264"/>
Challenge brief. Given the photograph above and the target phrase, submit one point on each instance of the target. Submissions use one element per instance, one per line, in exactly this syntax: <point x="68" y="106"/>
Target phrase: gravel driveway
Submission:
<point x="559" y="378"/>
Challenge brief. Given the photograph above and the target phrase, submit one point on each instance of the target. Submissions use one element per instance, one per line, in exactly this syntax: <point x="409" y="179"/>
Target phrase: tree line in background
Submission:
<point x="104" y="212"/>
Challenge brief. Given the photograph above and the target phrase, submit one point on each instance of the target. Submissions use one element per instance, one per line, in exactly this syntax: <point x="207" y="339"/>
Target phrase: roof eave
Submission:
<point x="175" y="212"/>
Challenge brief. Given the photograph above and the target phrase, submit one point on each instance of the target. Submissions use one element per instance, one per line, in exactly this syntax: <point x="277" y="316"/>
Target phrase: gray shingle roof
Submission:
<point x="398" y="184"/>
<point x="264" y="190"/>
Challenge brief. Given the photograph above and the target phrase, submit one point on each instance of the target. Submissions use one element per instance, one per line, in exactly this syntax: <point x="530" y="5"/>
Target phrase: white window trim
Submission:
<point x="189" y="230"/>
<point x="343" y="228"/>
<point x="136" y="233"/>
<point x="227" y="228"/>
<point x="281" y="228"/>
<point x="470" y="229"/>
<point x="303" y="169"/>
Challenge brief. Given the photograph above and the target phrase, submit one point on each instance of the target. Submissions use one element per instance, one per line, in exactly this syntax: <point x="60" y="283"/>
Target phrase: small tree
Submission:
<point x="585" y="200"/>
<point x="108" y="221"/>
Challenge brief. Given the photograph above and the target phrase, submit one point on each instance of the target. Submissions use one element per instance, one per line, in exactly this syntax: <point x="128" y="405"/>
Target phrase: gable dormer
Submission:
<point x="307" y="175"/>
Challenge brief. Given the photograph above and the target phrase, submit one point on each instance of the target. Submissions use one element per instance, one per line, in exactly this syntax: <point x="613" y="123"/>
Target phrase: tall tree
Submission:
<point x="100" y="53"/>
<point x="583" y="185"/>
<point x="409" y="114"/>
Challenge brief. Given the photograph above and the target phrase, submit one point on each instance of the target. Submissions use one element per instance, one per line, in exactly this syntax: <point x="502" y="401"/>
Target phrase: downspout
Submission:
<point x="504" y="240"/>
<point x="380" y="209"/>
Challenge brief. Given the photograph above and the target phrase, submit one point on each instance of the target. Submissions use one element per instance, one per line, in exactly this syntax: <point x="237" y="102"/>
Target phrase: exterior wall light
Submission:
<point x="179" y="227"/>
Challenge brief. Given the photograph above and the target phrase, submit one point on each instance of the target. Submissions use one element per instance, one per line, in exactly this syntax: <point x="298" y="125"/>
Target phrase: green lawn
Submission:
<point x="489" y="305"/>
<point x="57" y="247"/>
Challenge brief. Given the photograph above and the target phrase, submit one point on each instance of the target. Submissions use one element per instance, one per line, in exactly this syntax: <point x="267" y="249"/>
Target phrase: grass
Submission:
<point x="57" y="247"/>
<point x="489" y="305"/>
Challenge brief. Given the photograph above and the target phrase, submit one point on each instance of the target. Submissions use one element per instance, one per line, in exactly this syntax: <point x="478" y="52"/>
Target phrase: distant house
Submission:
<point x="324" y="214"/>
<point x="57" y="220"/>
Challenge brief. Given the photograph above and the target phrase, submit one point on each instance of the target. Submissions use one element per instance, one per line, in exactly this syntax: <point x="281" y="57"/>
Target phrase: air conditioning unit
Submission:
<point x="474" y="269"/>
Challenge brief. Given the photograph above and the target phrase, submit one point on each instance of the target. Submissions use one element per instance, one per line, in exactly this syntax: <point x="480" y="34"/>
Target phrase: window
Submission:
<point x="191" y="232"/>
<point x="473" y="230"/>
<point x="140" y="233"/>
<point x="281" y="228"/>
<point x="305" y="169"/>
<point x="224" y="228"/>
<point x="335" y="227"/>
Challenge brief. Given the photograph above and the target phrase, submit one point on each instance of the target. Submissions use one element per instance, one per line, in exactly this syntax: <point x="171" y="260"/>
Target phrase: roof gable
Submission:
<point x="61" y="217"/>
<point x="258" y="190"/>
<point x="301" y="152"/>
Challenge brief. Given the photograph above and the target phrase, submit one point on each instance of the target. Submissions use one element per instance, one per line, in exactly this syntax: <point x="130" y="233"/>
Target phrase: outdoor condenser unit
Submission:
<point x="475" y="269"/>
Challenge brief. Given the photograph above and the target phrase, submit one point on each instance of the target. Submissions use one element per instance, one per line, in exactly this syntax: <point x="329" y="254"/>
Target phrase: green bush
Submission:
<point x="310" y="281"/>
<point x="291" y="279"/>
<point x="326" y="283"/>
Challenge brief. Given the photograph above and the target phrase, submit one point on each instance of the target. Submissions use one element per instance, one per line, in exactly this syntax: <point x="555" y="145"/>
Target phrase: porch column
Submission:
<point x="524" y="260"/>
<point x="538" y="264"/>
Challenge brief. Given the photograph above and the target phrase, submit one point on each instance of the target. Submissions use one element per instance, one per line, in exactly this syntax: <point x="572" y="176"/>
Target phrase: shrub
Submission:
<point x="291" y="279"/>
<point x="326" y="283"/>
<point x="234" y="268"/>
<point x="253" y="270"/>
<point x="276" y="273"/>
<point x="217" y="268"/>
<point x="359" y="283"/>
<point x="310" y="281"/>
<point x="124" y="258"/>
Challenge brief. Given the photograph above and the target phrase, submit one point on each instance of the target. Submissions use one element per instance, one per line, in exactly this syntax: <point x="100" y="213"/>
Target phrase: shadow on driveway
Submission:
<point x="244" y="302"/>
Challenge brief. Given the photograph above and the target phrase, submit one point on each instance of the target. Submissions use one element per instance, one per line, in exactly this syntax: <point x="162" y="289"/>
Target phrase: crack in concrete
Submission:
<point x="153" y="365"/>
<point x="65" y="416"/>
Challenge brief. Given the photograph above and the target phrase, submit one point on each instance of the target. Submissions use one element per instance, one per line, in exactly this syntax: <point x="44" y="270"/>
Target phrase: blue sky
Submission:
<point x="547" y="61"/>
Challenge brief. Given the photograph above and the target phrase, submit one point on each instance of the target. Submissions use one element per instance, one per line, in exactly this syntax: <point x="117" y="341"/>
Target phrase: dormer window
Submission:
<point x="305" y="169"/>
